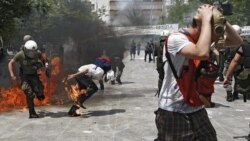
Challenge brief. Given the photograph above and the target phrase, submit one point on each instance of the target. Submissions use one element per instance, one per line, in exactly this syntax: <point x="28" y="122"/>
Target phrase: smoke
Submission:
<point x="128" y="13"/>
<point x="77" y="39"/>
<point x="4" y="73"/>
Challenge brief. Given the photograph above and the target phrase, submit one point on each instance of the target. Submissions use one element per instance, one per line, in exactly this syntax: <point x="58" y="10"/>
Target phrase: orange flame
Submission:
<point x="11" y="98"/>
<point x="73" y="91"/>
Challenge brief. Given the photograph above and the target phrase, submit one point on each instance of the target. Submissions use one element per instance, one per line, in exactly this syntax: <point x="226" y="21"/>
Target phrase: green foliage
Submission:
<point x="10" y="11"/>
<point x="56" y="22"/>
<point x="240" y="12"/>
<point x="180" y="12"/>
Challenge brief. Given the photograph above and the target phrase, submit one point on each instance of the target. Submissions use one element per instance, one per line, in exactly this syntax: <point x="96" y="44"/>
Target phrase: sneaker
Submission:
<point x="74" y="111"/>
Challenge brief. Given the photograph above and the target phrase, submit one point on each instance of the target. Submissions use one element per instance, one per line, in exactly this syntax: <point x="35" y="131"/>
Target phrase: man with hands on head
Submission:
<point x="175" y="119"/>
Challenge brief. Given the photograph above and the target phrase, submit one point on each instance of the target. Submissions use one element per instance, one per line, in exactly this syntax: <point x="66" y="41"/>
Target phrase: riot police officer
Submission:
<point x="30" y="61"/>
<point x="117" y="67"/>
<point x="232" y="93"/>
<point x="159" y="59"/>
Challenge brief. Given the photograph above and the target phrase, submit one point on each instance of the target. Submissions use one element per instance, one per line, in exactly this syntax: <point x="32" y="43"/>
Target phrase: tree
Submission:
<point x="10" y="11"/>
<point x="180" y="12"/>
<point x="240" y="11"/>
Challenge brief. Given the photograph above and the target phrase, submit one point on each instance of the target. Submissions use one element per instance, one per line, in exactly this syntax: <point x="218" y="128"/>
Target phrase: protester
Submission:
<point x="159" y="59"/>
<point x="138" y="48"/>
<point x="117" y="67"/>
<point x="132" y="50"/>
<point x="175" y="118"/>
<point x="85" y="81"/>
<point x="148" y="52"/>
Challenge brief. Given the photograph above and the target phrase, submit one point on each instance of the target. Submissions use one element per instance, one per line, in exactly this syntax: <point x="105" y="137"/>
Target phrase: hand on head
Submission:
<point x="204" y="13"/>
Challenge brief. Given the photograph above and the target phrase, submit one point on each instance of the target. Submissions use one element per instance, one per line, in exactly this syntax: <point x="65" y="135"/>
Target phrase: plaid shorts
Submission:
<point x="174" y="126"/>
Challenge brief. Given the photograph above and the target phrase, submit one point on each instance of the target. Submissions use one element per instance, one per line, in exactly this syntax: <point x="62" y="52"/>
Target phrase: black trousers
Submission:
<point x="85" y="82"/>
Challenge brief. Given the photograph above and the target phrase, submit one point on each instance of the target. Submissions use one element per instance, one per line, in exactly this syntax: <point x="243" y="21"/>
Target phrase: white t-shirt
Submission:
<point x="171" y="98"/>
<point x="94" y="72"/>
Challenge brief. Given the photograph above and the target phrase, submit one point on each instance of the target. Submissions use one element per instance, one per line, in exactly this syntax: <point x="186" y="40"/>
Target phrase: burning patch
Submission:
<point x="12" y="98"/>
<point x="73" y="91"/>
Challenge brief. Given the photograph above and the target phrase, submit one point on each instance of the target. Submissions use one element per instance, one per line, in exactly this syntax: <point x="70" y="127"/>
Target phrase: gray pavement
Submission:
<point x="119" y="113"/>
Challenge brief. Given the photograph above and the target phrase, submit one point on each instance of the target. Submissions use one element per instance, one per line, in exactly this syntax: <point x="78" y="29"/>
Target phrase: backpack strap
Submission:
<point x="185" y="32"/>
<point x="169" y="59"/>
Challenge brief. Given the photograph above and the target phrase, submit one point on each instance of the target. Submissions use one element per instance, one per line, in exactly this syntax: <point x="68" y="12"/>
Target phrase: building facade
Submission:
<point x="124" y="12"/>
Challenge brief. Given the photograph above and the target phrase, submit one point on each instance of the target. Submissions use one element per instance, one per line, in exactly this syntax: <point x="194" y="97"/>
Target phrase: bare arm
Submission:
<point x="10" y="67"/>
<point x="231" y="68"/>
<point x="71" y="76"/>
<point x="233" y="39"/>
<point x="200" y="50"/>
<point x="215" y="52"/>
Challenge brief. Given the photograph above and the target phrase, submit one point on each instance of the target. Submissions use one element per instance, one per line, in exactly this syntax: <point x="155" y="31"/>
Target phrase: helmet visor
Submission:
<point x="31" y="53"/>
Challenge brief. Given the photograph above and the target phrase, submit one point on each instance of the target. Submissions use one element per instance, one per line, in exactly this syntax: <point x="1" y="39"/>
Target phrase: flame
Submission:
<point x="11" y="98"/>
<point x="73" y="91"/>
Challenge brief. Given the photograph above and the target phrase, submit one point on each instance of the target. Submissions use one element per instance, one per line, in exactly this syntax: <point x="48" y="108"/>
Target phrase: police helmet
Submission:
<point x="27" y="38"/>
<point x="30" y="49"/>
<point x="165" y="33"/>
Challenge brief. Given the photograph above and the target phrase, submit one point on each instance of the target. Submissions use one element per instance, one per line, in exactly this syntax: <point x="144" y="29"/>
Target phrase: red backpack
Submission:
<point x="196" y="81"/>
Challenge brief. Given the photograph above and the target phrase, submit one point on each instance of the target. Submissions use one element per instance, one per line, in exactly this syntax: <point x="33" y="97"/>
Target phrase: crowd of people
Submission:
<point x="183" y="56"/>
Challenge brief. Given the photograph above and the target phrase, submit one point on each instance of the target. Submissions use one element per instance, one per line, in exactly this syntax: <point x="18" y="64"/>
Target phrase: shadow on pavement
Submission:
<point x="103" y="112"/>
<point x="43" y="114"/>
<point x="126" y="82"/>
<point x="247" y="137"/>
<point x="217" y="105"/>
<point x="113" y="96"/>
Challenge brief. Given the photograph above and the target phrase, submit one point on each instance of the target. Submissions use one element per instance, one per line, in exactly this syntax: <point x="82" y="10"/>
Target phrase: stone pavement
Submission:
<point x="119" y="113"/>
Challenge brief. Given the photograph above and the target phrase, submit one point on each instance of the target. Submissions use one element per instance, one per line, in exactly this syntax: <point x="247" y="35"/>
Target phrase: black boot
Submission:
<point x="72" y="111"/>
<point x="33" y="113"/>
<point x="31" y="106"/>
<point x="235" y="95"/>
<point x="221" y="78"/>
<point x="229" y="96"/>
<point x="119" y="81"/>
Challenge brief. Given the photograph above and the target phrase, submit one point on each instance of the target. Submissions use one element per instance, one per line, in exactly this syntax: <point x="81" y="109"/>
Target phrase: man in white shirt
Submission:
<point x="175" y="119"/>
<point x="85" y="80"/>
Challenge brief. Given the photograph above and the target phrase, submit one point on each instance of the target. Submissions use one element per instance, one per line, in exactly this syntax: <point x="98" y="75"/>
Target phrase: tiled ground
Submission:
<point x="120" y="113"/>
